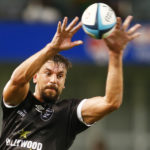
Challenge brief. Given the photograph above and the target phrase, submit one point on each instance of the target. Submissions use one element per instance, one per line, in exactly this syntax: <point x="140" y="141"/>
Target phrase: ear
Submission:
<point x="35" y="78"/>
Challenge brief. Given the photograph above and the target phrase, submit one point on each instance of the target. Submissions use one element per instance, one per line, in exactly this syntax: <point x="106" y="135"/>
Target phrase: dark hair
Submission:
<point x="61" y="59"/>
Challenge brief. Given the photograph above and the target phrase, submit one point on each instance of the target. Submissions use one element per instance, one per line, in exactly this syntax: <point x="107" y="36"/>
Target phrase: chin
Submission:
<point x="49" y="97"/>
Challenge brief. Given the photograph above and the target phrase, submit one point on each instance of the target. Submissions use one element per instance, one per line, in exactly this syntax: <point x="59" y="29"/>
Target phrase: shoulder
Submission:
<point x="9" y="107"/>
<point x="68" y="102"/>
<point x="67" y="105"/>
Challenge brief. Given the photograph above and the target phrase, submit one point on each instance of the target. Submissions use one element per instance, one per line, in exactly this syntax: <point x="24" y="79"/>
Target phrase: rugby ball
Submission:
<point x="98" y="20"/>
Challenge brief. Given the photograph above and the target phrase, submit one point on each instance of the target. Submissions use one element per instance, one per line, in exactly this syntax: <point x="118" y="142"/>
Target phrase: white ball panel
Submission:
<point x="89" y="15"/>
<point x="108" y="16"/>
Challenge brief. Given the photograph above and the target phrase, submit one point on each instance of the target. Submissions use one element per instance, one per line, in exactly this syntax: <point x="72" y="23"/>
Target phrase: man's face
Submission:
<point x="50" y="81"/>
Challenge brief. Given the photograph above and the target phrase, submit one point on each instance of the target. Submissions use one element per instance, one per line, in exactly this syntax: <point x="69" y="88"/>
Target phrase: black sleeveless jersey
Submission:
<point x="33" y="125"/>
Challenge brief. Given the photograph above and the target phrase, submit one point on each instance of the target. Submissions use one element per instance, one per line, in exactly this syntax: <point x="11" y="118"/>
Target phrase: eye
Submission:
<point x="48" y="73"/>
<point x="59" y="76"/>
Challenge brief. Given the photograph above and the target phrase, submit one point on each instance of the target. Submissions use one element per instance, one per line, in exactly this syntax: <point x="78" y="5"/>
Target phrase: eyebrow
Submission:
<point x="51" y="70"/>
<point x="47" y="69"/>
<point x="61" y="72"/>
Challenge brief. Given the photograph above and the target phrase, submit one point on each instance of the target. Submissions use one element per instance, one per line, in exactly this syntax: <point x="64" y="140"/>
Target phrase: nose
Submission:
<point x="53" y="79"/>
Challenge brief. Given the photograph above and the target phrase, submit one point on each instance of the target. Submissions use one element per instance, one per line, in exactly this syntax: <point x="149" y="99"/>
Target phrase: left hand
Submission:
<point x="64" y="34"/>
<point x="121" y="35"/>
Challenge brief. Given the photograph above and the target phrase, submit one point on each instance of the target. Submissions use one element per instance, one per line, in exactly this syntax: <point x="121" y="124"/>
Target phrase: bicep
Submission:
<point x="94" y="109"/>
<point x="15" y="94"/>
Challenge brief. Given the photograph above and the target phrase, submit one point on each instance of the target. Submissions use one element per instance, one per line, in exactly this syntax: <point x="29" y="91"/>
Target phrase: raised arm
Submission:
<point x="17" y="87"/>
<point x="97" y="107"/>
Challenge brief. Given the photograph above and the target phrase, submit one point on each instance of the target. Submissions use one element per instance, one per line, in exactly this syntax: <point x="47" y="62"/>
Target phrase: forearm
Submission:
<point x="114" y="83"/>
<point x="97" y="107"/>
<point x="25" y="71"/>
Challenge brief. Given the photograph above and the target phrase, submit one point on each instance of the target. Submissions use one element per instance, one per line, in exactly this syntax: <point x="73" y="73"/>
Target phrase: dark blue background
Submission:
<point x="20" y="40"/>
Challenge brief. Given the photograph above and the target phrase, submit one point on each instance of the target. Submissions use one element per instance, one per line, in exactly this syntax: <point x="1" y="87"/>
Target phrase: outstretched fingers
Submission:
<point x="127" y="23"/>
<point x="135" y="35"/>
<point x="59" y="27"/>
<point x="119" y="23"/>
<point x="76" y="28"/>
<point x="76" y="43"/>
<point x="72" y="24"/>
<point x="133" y="29"/>
<point x="64" y="24"/>
<point x="71" y="27"/>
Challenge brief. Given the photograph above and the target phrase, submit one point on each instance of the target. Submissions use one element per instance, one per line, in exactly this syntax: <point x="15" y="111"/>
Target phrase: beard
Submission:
<point x="50" y="96"/>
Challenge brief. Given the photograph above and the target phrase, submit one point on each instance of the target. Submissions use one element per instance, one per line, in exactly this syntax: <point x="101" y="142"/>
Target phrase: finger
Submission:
<point x="76" y="28"/>
<point x="135" y="35"/>
<point x="127" y="23"/>
<point x="72" y="24"/>
<point x="119" y="22"/>
<point x="133" y="29"/>
<point x="59" y="27"/>
<point x="64" y="24"/>
<point x="76" y="43"/>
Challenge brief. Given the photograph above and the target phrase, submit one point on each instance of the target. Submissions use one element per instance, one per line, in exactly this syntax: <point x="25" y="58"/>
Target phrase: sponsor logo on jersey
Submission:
<point x="32" y="145"/>
<point x="22" y="113"/>
<point x="46" y="114"/>
<point x="39" y="108"/>
<point x="24" y="134"/>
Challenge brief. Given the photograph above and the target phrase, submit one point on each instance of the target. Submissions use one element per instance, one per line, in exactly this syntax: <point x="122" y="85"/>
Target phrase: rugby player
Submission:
<point x="40" y="120"/>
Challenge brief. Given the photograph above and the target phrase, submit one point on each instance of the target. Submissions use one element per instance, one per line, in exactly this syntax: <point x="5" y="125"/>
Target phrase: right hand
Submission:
<point x="63" y="36"/>
<point x="121" y="35"/>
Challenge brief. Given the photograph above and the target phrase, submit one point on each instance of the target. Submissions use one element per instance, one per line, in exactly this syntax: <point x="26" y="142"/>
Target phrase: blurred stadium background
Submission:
<point x="28" y="25"/>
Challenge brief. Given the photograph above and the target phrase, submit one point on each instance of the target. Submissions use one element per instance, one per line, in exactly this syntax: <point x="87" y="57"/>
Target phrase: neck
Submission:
<point x="37" y="96"/>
